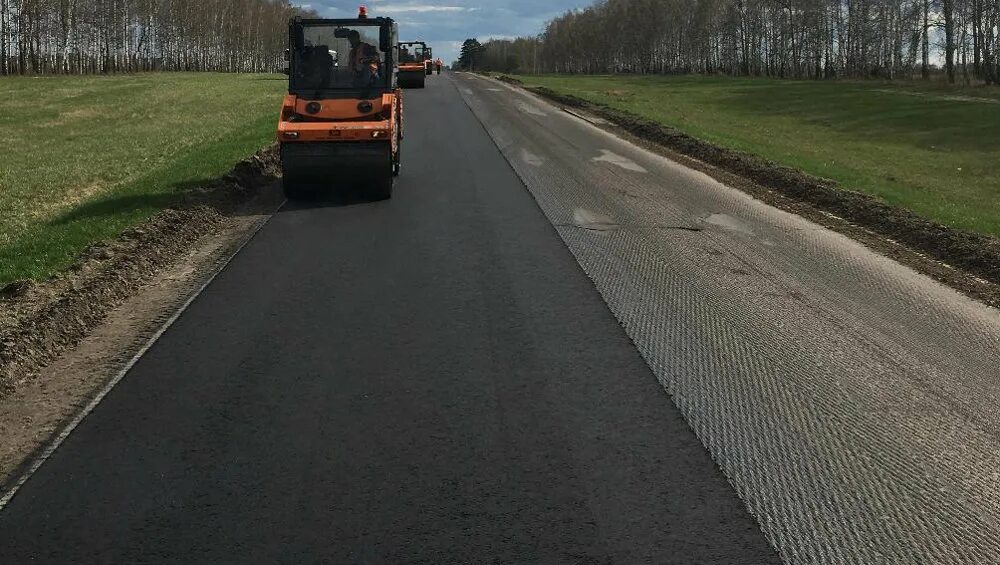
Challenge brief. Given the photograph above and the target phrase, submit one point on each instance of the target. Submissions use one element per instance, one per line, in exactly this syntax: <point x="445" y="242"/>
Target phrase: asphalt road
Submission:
<point x="431" y="379"/>
<point x="533" y="354"/>
<point x="851" y="401"/>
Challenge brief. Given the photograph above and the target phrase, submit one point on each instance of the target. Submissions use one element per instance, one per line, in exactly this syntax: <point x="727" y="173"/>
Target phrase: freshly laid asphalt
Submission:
<point x="431" y="379"/>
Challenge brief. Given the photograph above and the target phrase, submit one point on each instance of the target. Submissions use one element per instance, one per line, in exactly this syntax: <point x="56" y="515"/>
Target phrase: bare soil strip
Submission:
<point x="62" y="339"/>
<point x="966" y="261"/>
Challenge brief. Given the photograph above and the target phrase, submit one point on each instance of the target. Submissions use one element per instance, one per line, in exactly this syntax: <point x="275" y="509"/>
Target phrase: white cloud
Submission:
<point x="492" y="37"/>
<point x="444" y="24"/>
<point x="418" y="8"/>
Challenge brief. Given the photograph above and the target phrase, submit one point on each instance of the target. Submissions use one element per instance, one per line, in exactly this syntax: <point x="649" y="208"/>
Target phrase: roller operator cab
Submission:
<point x="414" y="60"/>
<point x="341" y="121"/>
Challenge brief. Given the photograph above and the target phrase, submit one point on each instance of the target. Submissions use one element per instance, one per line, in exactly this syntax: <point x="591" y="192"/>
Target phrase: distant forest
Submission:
<point x="819" y="39"/>
<point x="108" y="36"/>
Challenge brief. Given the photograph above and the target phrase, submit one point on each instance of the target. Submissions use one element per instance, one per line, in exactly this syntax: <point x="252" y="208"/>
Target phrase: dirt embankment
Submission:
<point x="38" y="321"/>
<point x="967" y="261"/>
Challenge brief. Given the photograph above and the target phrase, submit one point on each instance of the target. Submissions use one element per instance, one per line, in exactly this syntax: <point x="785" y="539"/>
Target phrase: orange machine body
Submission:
<point x="416" y="66"/>
<point x="412" y="73"/>
<point x="304" y="121"/>
<point x="338" y="138"/>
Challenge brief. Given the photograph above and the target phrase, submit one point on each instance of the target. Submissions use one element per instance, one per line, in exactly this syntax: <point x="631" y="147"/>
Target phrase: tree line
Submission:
<point x="777" y="38"/>
<point x="110" y="36"/>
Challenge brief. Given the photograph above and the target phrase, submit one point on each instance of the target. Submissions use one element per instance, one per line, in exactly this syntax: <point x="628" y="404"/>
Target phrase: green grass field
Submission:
<point x="933" y="151"/>
<point x="85" y="158"/>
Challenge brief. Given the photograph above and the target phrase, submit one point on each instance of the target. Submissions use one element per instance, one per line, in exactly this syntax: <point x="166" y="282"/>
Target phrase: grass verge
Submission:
<point x="90" y="157"/>
<point x="932" y="152"/>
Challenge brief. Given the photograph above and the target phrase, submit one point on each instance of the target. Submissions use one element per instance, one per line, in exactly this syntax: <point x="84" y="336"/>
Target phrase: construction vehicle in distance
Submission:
<point x="429" y="61"/>
<point x="342" y="120"/>
<point x="413" y="64"/>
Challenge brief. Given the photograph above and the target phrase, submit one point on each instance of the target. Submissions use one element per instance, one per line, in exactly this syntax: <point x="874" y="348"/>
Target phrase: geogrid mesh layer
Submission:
<point x="850" y="402"/>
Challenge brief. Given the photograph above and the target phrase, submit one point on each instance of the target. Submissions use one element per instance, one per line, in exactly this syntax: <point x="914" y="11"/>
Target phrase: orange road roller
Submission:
<point x="342" y="120"/>
<point x="414" y="60"/>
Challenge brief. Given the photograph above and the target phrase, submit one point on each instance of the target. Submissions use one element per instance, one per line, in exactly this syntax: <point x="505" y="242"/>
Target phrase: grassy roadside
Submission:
<point x="85" y="158"/>
<point x="935" y="153"/>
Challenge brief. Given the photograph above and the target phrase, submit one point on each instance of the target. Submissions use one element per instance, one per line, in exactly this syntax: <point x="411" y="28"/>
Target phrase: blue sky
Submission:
<point x="445" y="24"/>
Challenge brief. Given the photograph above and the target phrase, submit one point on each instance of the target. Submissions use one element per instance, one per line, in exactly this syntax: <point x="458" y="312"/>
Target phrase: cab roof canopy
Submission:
<point x="381" y="20"/>
<point x="312" y="78"/>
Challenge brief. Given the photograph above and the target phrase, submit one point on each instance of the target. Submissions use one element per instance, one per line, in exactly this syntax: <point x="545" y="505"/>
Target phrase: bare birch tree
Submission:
<point x="886" y="39"/>
<point x="111" y="36"/>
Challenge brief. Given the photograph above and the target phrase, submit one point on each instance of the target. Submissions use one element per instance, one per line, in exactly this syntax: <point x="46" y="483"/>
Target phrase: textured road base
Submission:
<point x="968" y="262"/>
<point x="851" y="401"/>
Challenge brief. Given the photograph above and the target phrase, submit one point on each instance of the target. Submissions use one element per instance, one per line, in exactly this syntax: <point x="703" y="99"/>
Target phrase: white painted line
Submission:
<point x="66" y="431"/>
<point x="591" y="119"/>
<point x="619" y="161"/>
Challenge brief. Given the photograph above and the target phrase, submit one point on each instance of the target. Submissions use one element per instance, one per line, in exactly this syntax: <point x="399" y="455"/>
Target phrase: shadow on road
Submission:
<point x="329" y="196"/>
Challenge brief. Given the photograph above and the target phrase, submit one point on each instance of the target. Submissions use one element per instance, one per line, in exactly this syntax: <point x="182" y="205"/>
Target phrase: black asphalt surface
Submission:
<point x="430" y="379"/>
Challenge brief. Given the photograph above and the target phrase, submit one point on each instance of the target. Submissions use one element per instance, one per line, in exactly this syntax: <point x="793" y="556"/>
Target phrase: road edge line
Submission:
<point x="68" y="429"/>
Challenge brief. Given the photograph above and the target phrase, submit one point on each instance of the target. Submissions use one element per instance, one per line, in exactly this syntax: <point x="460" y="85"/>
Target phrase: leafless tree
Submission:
<point x="886" y="39"/>
<point x="110" y="36"/>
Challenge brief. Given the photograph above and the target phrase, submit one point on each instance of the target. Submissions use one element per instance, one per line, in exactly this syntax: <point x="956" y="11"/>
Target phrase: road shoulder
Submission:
<point x="965" y="261"/>
<point x="65" y="339"/>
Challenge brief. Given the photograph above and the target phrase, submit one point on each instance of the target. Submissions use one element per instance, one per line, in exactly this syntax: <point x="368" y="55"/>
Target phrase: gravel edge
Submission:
<point x="41" y="320"/>
<point x="966" y="261"/>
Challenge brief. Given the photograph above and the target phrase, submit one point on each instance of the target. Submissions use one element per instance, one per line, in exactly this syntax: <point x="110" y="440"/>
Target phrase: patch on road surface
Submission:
<point x="531" y="159"/>
<point x="588" y="220"/>
<point x="619" y="161"/>
<point x="529" y="109"/>
<point x="729" y="223"/>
